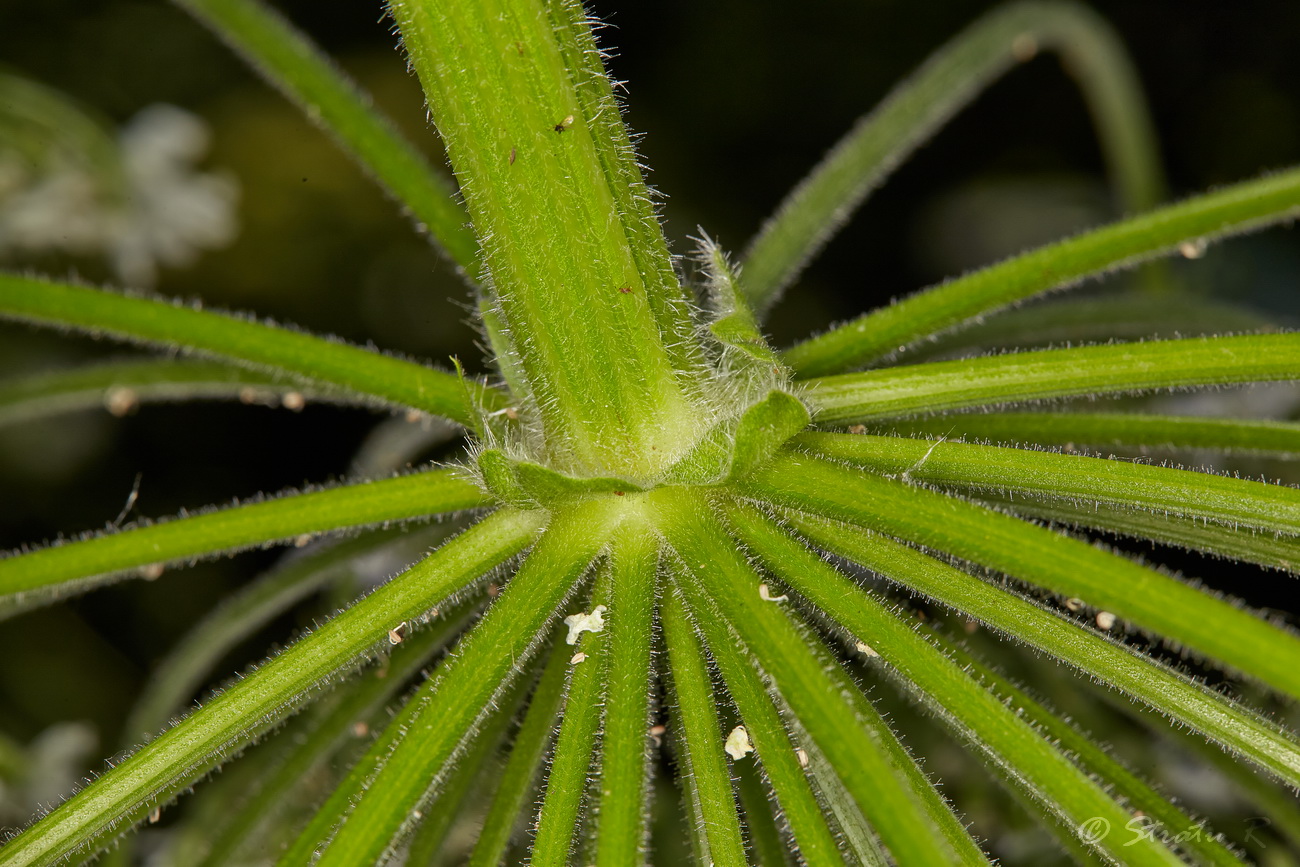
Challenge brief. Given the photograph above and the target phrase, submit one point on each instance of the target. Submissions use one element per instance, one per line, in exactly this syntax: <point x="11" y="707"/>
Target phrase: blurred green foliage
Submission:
<point x="736" y="100"/>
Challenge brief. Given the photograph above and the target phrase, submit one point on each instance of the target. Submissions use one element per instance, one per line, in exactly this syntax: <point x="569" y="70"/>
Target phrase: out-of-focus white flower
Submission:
<point x="68" y="184"/>
<point x="172" y="211"/>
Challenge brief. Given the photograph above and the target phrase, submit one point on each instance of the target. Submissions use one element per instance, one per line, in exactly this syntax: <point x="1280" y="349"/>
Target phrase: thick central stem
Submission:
<point x="588" y="304"/>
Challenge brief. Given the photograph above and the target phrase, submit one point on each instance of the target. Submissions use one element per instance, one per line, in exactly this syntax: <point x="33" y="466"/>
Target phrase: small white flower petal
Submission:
<point x="584" y="622"/>
<point x="738" y="745"/>
<point x="866" y="648"/>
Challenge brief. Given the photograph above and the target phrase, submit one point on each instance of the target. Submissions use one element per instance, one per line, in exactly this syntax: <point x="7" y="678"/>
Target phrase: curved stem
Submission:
<point x="384" y="379"/>
<point x="1243" y="207"/>
<point x="1027" y="760"/>
<point x="244" y="613"/>
<point x="1239" y="503"/>
<point x="161" y="769"/>
<point x="483" y="665"/>
<point x="1173" y="695"/>
<point x="37" y="576"/>
<point x="1116" y="429"/>
<point x="946" y="83"/>
<point x="702" y="767"/>
<point x="1055" y="373"/>
<point x="722" y="583"/>
<point x="296" y="67"/>
<point x="1206" y="624"/>
<point x="120" y="386"/>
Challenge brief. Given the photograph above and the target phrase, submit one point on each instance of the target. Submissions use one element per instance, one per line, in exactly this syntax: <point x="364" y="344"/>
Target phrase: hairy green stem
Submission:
<point x="699" y="742"/>
<point x="1173" y="695"/>
<point x="485" y="662"/>
<point x="1127" y="590"/>
<point x="297" y="68"/>
<point x="224" y="725"/>
<point x="77" y="565"/>
<point x="1027" y="760"/>
<point x="1055" y="373"/>
<point x="579" y="265"/>
<point x="1243" y="207"/>
<point x="384" y="379"/>
<point x="1116" y="429"/>
<point x="1238" y="503"/>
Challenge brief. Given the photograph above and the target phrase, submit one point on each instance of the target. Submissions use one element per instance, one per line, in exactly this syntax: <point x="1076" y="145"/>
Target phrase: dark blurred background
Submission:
<point x="736" y="100"/>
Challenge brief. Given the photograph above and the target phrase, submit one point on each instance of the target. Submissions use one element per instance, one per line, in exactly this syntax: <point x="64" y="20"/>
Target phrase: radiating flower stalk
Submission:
<point x="657" y="503"/>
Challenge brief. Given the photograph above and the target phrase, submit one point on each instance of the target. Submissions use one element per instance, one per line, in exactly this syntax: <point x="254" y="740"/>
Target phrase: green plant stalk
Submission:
<point x="517" y="780"/>
<point x="1078" y="321"/>
<point x="1061" y="564"/>
<point x="1116" y="429"/>
<point x="880" y="141"/>
<point x="158" y="322"/>
<point x="721" y="582"/>
<point x="578" y="264"/>
<point x="483" y="665"/>
<point x="1136" y="792"/>
<point x="474" y="772"/>
<point x="1018" y="753"/>
<point x="1243" y="207"/>
<point x="701" y="762"/>
<point x="298" y="69"/>
<point x="939" y="810"/>
<point x="120" y="386"/>
<point x="1174" y="696"/>
<point x="322" y="734"/>
<point x="561" y="819"/>
<point x="1047" y="374"/>
<point x="1238" y="503"/>
<point x="59" y="568"/>
<point x="860" y="840"/>
<point x="211" y="804"/>
<point x="183" y="670"/>
<point x="772" y="743"/>
<point x="1276" y="552"/>
<point x="765" y="843"/>
<point x="313" y="837"/>
<point x="624" y="790"/>
<point x="225" y="724"/>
